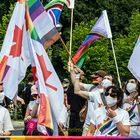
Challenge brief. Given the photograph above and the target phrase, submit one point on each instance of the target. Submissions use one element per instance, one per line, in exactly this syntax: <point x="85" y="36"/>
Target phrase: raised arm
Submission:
<point x="75" y="80"/>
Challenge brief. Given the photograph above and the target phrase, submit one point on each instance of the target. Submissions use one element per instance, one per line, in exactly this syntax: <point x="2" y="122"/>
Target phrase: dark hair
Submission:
<point x="30" y="77"/>
<point x="119" y="94"/>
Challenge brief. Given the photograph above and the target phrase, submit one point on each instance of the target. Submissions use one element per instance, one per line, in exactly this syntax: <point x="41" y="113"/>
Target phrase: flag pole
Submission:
<point x="119" y="80"/>
<point x="71" y="33"/>
<point x="64" y="45"/>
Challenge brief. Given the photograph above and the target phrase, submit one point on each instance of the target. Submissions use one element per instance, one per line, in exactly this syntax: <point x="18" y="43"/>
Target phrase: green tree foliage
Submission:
<point x="97" y="53"/>
<point x="100" y="54"/>
<point x="124" y="18"/>
<point x="4" y="7"/>
<point x="125" y="44"/>
<point x="4" y="23"/>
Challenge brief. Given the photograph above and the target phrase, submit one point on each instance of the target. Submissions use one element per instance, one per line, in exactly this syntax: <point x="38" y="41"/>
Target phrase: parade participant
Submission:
<point x="28" y="119"/>
<point x="76" y="103"/>
<point x="5" y="121"/>
<point x="26" y="93"/>
<point x="96" y="85"/>
<point x="110" y="119"/>
<point x="92" y="94"/>
<point x="132" y="105"/>
<point x="31" y="104"/>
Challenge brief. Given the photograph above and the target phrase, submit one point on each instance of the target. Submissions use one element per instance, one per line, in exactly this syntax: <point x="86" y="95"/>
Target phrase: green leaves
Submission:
<point x="4" y="24"/>
<point x="100" y="55"/>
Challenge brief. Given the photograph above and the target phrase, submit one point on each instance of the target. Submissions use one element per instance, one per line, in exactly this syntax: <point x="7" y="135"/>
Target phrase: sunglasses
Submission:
<point x="1" y="84"/>
<point x="113" y="94"/>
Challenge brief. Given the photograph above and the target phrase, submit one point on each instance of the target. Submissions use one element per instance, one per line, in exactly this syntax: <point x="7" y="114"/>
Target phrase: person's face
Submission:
<point x="132" y="81"/>
<point x="34" y="96"/>
<point x="65" y="85"/>
<point x="109" y="77"/>
<point x="131" y="86"/>
<point x="96" y="79"/>
<point x="111" y="98"/>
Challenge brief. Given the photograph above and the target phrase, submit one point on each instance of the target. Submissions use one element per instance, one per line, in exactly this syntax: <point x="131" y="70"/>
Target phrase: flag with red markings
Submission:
<point x="14" y="55"/>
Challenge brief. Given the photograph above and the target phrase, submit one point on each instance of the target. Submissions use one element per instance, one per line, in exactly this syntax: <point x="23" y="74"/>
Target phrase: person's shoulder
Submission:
<point x="122" y="111"/>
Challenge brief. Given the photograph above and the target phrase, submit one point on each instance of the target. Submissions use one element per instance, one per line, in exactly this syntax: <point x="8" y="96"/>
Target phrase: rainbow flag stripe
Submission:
<point x="106" y="125"/>
<point x="80" y="55"/>
<point x="43" y="24"/>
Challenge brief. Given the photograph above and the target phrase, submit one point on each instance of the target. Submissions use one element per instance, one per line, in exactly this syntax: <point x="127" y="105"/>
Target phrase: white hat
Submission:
<point x="1" y="97"/>
<point x="33" y="90"/>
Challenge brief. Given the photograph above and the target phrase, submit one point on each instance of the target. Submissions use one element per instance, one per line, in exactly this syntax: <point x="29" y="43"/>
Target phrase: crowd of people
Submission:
<point x="100" y="108"/>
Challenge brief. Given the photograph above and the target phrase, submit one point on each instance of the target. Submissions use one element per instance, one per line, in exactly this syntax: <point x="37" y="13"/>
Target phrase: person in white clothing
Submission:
<point x="5" y="120"/>
<point x="110" y="119"/>
<point x="106" y="82"/>
<point x="34" y="94"/>
<point x="93" y="96"/>
<point x="96" y="85"/>
<point x="132" y="104"/>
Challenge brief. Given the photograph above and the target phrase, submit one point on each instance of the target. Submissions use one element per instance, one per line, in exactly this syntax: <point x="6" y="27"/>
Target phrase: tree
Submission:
<point x="4" y="23"/>
<point x="125" y="44"/>
<point x="100" y="54"/>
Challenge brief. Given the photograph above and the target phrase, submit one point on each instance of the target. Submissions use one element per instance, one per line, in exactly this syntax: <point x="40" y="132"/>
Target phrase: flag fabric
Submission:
<point x="14" y="55"/>
<point x="23" y="45"/>
<point x="55" y="8"/>
<point x="46" y="78"/>
<point x="134" y="62"/>
<point x="99" y="30"/>
<point x="43" y="24"/>
<point x="71" y="4"/>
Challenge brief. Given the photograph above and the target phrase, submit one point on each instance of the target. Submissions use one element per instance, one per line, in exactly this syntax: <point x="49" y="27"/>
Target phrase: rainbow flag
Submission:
<point x="99" y="30"/>
<point x="43" y="24"/>
<point x="106" y="125"/>
<point x="55" y="8"/>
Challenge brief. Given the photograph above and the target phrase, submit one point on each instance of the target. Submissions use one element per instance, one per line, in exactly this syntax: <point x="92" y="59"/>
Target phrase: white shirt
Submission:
<point x="31" y="104"/>
<point x="135" y="130"/>
<point x="91" y="104"/>
<point x="5" y="120"/>
<point x="95" y="96"/>
<point x="99" y="118"/>
<point x="64" y="116"/>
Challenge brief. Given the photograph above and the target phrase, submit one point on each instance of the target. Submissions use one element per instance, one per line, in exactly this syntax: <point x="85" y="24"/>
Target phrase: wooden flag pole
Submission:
<point x="65" y="47"/>
<point x="119" y="80"/>
<point x="71" y="32"/>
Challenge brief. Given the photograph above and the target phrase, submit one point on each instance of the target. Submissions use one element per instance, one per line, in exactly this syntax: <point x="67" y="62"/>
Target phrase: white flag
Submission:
<point x="134" y="62"/>
<point x="71" y="4"/>
<point x="14" y="54"/>
<point x="102" y="26"/>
